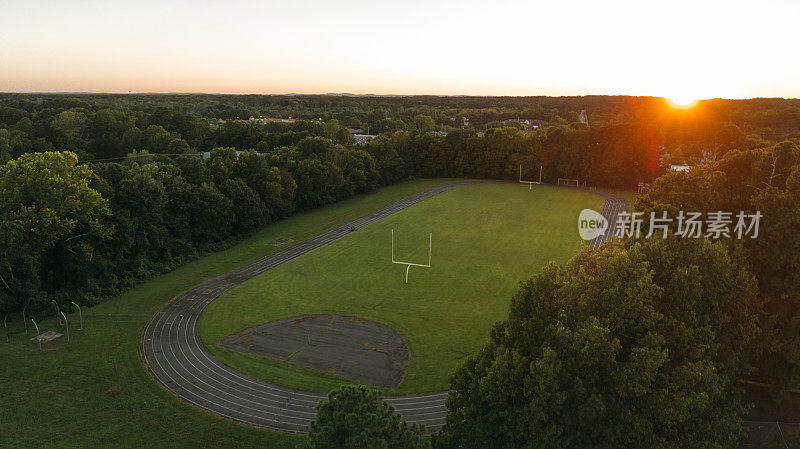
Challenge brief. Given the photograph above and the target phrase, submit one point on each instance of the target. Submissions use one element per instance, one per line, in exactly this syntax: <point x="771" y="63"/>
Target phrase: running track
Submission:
<point x="178" y="360"/>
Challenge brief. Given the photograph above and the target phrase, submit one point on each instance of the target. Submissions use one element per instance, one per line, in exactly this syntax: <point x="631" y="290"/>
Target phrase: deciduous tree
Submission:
<point x="621" y="348"/>
<point x="355" y="417"/>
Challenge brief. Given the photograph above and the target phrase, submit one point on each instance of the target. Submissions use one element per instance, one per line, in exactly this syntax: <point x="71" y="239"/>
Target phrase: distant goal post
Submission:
<point x="530" y="183"/>
<point x="571" y="182"/>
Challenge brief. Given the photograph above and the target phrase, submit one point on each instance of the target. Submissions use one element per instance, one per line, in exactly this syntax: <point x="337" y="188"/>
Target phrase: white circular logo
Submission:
<point x="591" y="224"/>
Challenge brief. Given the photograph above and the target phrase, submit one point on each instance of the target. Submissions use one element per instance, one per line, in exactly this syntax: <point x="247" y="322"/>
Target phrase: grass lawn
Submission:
<point x="95" y="391"/>
<point x="486" y="238"/>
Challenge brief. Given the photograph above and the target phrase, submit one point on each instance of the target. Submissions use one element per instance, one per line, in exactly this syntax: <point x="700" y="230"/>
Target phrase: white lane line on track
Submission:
<point x="226" y="375"/>
<point x="189" y="385"/>
<point x="615" y="207"/>
<point x="236" y="393"/>
<point x="220" y="406"/>
<point x="611" y="218"/>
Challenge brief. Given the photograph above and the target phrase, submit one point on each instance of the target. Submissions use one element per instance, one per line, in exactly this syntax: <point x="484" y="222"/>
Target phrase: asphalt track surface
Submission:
<point x="611" y="209"/>
<point x="174" y="355"/>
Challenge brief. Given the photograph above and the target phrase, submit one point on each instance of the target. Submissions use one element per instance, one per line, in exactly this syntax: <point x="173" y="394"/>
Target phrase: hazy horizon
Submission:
<point x="349" y="94"/>
<point x="683" y="50"/>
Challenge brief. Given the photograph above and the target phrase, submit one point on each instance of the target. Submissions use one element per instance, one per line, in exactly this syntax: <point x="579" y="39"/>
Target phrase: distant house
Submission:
<point x="464" y="121"/>
<point x="518" y="120"/>
<point x="207" y="154"/>
<point x="439" y="133"/>
<point x="680" y="167"/>
<point x="355" y="130"/>
<point x="363" y="139"/>
<point x="265" y="120"/>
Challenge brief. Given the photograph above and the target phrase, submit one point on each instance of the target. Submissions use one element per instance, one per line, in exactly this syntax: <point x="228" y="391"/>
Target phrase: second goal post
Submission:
<point x="530" y="183"/>
<point x="570" y="182"/>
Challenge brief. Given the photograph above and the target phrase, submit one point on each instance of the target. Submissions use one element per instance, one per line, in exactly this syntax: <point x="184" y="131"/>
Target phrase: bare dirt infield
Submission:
<point x="357" y="349"/>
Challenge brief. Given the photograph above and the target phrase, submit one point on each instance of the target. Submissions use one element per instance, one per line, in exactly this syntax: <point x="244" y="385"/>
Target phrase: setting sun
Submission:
<point x="682" y="101"/>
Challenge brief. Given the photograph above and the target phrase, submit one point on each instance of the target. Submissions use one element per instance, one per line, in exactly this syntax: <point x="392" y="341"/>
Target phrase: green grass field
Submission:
<point x="486" y="238"/>
<point x="95" y="391"/>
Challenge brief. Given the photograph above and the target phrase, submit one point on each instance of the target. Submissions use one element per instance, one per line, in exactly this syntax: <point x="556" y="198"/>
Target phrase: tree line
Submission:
<point x="71" y="231"/>
<point x="94" y="122"/>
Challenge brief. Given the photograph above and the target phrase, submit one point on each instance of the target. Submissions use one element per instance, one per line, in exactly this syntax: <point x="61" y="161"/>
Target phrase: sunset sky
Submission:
<point x="677" y="49"/>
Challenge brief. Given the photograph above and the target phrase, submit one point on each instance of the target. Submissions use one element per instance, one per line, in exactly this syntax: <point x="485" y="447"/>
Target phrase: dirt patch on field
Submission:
<point x="280" y="242"/>
<point x="114" y="389"/>
<point x="358" y="349"/>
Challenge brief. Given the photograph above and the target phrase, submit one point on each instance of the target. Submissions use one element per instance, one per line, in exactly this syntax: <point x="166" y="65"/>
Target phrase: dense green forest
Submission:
<point x="109" y="125"/>
<point x="765" y="180"/>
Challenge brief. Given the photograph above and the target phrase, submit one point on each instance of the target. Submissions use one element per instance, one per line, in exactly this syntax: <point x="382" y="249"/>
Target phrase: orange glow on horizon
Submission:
<point x="682" y="101"/>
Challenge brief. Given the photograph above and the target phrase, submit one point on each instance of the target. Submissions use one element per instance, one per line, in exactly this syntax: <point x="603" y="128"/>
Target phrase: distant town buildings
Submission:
<point x="258" y="121"/>
<point x="520" y="121"/>
<point x="264" y="120"/>
<point x="533" y="124"/>
<point x="363" y="139"/>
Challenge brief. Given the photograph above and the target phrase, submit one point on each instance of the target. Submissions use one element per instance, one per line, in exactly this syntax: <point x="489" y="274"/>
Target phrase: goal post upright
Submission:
<point x="430" y="247"/>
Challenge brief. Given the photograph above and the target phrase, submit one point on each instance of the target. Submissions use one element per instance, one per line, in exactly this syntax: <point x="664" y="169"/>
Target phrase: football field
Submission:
<point x="485" y="238"/>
